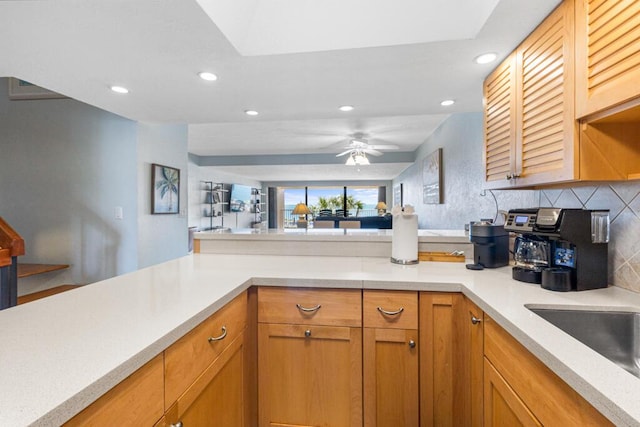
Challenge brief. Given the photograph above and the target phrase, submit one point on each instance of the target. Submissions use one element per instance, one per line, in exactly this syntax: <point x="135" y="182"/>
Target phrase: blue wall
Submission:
<point x="64" y="168"/>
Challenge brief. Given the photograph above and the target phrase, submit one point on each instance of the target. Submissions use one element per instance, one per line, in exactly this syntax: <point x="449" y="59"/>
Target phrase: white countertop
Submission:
<point x="60" y="353"/>
<point x="329" y="234"/>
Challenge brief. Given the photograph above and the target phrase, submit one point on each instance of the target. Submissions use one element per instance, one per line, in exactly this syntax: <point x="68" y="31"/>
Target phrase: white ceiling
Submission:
<point x="294" y="61"/>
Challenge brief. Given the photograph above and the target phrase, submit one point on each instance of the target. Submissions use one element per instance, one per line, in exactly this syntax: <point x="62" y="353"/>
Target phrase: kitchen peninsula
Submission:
<point x="61" y="353"/>
<point x="325" y="242"/>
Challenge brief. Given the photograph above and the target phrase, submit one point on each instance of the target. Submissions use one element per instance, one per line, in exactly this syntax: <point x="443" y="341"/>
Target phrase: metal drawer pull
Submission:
<point x="178" y="424"/>
<point x="412" y="344"/>
<point x="475" y="320"/>
<point x="308" y="310"/>
<point x="221" y="337"/>
<point x="307" y="333"/>
<point x="391" y="313"/>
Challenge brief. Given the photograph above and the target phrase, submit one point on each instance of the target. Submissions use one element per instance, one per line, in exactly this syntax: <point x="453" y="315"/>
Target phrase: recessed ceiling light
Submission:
<point x="346" y="108"/>
<point x="485" y="58"/>
<point x="210" y="77"/>
<point x="251" y="112"/>
<point x="447" y="102"/>
<point x="119" y="89"/>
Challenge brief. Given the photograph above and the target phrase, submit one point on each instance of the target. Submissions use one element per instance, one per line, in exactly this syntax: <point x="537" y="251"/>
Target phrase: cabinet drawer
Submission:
<point x="390" y="309"/>
<point x="190" y="355"/>
<point x="332" y="307"/>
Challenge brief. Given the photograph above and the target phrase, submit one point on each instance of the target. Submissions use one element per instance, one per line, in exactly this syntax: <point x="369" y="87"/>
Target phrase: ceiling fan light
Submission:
<point x="350" y="161"/>
<point x="360" y="159"/>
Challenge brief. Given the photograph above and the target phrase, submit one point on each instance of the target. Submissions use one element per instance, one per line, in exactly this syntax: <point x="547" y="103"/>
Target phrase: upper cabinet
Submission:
<point x="581" y="59"/>
<point x="607" y="54"/>
<point x="500" y="123"/>
<point x="530" y="136"/>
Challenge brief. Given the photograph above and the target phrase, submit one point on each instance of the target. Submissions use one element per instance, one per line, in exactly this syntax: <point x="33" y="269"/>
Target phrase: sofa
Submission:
<point x="382" y="222"/>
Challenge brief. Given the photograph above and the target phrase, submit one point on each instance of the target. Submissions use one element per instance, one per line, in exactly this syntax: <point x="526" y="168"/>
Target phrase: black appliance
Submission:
<point x="561" y="249"/>
<point x="490" y="245"/>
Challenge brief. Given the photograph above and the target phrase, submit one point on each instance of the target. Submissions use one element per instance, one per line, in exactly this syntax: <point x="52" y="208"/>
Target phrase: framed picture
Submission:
<point x="397" y="195"/>
<point x="22" y="89"/>
<point x="431" y="178"/>
<point x="165" y="189"/>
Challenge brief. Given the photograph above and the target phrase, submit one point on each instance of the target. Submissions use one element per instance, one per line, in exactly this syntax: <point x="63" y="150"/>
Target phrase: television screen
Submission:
<point x="240" y="198"/>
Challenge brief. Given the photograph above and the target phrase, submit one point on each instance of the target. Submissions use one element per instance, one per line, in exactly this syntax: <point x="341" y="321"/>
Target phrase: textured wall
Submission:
<point x="623" y="201"/>
<point x="461" y="138"/>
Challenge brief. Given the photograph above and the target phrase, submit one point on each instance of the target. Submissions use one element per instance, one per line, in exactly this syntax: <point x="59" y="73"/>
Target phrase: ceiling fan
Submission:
<point x="358" y="147"/>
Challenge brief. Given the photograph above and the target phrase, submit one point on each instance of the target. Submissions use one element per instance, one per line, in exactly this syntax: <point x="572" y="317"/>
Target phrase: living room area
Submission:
<point x="329" y="206"/>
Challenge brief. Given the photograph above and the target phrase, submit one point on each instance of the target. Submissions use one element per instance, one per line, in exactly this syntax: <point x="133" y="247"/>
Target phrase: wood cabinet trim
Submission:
<point x="137" y="400"/>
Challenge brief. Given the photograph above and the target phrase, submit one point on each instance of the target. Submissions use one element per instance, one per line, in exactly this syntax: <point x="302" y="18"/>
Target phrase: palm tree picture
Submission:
<point x="165" y="194"/>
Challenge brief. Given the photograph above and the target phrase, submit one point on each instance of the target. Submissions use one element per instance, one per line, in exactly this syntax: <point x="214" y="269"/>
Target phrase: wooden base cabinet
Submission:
<point x="442" y="385"/>
<point x="309" y="357"/>
<point x="518" y="386"/>
<point x="390" y="358"/>
<point x="217" y="397"/>
<point x="470" y="368"/>
<point x="503" y="406"/>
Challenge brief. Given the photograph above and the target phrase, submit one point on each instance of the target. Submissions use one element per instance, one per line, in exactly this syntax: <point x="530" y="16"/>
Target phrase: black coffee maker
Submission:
<point x="560" y="249"/>
<point x="490" y="245"/>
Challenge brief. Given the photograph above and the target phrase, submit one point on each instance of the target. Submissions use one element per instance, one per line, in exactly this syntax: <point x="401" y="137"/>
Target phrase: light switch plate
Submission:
<point x="118" y="212"/>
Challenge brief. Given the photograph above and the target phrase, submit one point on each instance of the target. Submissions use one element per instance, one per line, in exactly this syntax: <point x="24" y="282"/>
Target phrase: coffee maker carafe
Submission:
<point x="531" y="256"/>
<point x="560" y="249"/>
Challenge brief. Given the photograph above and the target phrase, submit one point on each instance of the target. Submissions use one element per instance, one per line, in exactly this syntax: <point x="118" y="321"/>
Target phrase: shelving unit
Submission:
<point x="258" y="207"/>
<point x="214" y="202"/>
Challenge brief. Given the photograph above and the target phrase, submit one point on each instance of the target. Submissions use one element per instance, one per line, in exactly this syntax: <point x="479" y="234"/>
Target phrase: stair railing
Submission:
<point x="11" y="247"/>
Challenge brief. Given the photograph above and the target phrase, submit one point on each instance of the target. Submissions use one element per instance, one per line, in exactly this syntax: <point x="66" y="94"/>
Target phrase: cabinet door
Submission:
<point x="547" y="134"/>
<point x="500" y="136"/>
<point x="217" y="398"/>
<point x="441" y="353"/>
<point x="471" y="363"/>
<point x="503" y="407"/>
<point x="607" y="54"/>
<point x="309" y="375"/>
<point x="193" y="353"/>
<point x="549" y="398"/>
<point x="391" y="377"/>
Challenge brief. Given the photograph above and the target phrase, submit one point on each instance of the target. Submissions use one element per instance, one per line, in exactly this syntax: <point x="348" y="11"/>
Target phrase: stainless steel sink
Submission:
<point x="613" y="334"/>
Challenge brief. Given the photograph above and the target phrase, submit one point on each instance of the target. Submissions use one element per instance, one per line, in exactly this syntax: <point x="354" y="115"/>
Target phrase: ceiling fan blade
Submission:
<point x="344" y="152"/>
<point x="372" y="152"/>
<point x="384" y="147"/>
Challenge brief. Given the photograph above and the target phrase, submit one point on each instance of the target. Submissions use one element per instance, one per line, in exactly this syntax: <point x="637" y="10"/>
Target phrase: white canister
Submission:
<point x="404" y="243"/>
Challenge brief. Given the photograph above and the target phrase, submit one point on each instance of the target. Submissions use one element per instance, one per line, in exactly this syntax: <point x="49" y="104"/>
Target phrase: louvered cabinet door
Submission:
<point x="607" y="54"/>
<point x="500" y="124"/>
<point x="545" y="102"/>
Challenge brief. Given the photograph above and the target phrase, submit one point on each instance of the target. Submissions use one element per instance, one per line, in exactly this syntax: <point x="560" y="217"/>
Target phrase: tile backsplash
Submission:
<point x="623" y="201"/>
